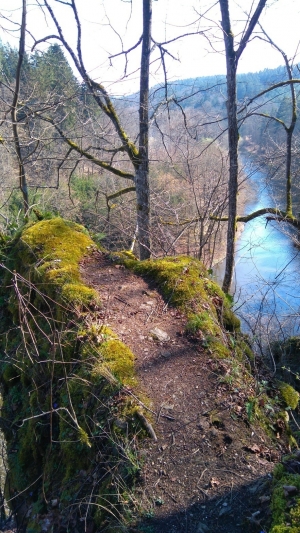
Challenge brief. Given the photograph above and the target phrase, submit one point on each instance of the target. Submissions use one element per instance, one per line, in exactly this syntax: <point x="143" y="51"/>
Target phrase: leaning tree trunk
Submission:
<point x="142" y="171"/>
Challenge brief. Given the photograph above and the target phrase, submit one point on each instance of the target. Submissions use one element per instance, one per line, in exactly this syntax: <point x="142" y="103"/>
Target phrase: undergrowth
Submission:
<point x="72" y="422"/>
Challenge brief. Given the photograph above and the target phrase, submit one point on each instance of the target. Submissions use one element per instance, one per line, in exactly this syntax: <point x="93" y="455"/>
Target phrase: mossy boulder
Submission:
<point x="48" y="253"/>
<point x="289" y="395"/>
<point x="65" y="381"/>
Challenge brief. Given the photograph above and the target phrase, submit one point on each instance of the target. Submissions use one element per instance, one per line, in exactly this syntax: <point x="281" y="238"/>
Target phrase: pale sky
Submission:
<point x="106" y="24"/>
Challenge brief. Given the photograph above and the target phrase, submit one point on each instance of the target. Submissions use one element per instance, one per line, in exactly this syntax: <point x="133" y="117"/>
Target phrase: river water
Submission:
<point x="266" y="286"/>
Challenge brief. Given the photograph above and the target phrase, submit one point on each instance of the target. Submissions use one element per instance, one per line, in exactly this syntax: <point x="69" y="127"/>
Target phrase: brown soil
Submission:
<point x="210" y="470"/>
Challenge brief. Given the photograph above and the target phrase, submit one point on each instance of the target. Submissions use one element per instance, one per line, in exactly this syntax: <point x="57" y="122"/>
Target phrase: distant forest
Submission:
<point x="188" y="156"/>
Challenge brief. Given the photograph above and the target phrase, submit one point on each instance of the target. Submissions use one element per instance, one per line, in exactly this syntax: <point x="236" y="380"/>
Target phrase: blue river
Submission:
<point x="266" y="285"/>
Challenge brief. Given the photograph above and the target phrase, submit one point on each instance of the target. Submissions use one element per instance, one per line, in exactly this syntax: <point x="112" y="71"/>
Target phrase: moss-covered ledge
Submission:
<point x="71" y="415"/>
<point x="48" y="254"/>
<point x="71" y="419"/>
<point x="185" y="283"/>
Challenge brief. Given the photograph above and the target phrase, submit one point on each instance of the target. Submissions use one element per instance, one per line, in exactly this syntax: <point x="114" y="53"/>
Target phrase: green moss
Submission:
<point x="185" y="284"/>
<point x="289" y="395"/>
<point x="77" y="293"/>
<point x="51" y="251"/>
<point x="285" y="516"/>
<point x="218" y="348"/>
<point x="180" y="279"/>
<point x="230" y="320"/>
<point x="203" y="321"/>
<point x="127" y="254"/>
<point x="118" y="359"/>
<point x="64" y="388"/>
<point x="285" y="529"/>
<point x="246" y="350"/>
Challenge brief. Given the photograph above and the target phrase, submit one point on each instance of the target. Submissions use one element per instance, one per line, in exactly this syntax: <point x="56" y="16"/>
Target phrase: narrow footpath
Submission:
<point x="209" y="470"/>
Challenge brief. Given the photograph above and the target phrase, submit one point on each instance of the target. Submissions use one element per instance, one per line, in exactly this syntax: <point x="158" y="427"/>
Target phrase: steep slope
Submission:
<point x="129" y="396"/>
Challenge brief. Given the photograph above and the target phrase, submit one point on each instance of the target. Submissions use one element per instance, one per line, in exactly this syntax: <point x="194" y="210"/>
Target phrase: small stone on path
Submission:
<point x="159" y="335"/>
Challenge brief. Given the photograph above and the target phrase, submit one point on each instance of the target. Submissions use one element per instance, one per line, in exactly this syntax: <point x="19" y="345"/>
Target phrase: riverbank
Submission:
<point x="246" y="193"/>
<point x="266" y="282"/>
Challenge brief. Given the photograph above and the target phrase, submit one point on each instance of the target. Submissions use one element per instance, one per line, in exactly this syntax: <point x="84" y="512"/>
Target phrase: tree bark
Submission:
<point x="232" y="58"/>
<point x="14" y="111"/>
<point x="142" y="172"/>
<point x="231" y="67"/>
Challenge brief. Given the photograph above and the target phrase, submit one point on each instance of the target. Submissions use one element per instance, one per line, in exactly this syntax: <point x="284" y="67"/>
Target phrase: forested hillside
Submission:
<point x="186" y="184"/>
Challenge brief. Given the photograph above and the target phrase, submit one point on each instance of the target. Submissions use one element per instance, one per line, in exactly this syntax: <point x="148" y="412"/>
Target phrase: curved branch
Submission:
<point x="97" y="90"/>
<point x="125" y="52"/>
<point x="120" y="193"/>
<point x="280" y="216"/>
<point x="269" y="89"/>
<point x="44" y="40"/>
<point x="87" y="155"/>
<point x="265" y="115"/>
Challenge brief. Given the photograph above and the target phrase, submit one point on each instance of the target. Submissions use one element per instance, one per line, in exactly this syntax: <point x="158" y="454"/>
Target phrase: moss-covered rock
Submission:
<point x="289" y="395"/>
<point x="285" y="509"/>
<point x="50" y="252"/>
<point x="64" y="383"/>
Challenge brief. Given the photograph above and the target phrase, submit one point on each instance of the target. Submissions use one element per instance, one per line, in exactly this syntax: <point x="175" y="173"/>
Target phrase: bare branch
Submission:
<point x="44" y="40"/>
<point x="87" y="155"/>
<point x="253" y="21"/>
<point x="120" y="193"/>
<point x="125" y="52"/>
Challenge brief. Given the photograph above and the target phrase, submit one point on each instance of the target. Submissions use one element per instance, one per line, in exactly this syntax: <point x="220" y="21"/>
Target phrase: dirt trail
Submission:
<point x="209" y="471"/>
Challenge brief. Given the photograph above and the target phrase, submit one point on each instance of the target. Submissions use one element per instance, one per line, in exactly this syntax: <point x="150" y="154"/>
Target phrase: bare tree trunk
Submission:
<point x="14" y="110"/>
<point x="288" y="129"/>
<point x="232" y="58"/>
<point x="138" y="156"/>
<point x="289" y="139"/>
<point x="142" y="172"/>
<point x="233" y="139"/>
